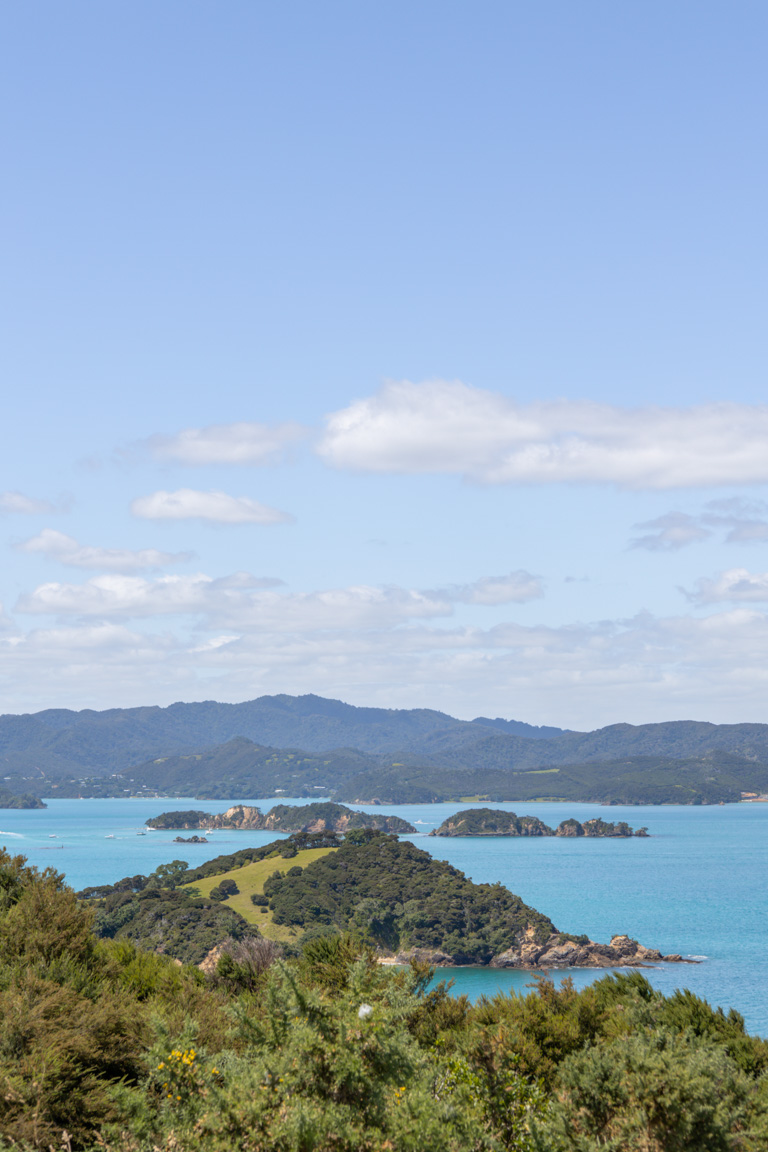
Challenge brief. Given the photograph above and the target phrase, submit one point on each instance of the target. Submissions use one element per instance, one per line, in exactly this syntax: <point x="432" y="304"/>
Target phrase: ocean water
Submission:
<point x="697" y="886"/>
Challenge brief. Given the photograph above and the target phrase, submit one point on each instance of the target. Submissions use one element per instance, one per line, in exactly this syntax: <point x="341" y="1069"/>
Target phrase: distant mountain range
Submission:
<point x="308" y="745"/>
<point x="59" y="741"/>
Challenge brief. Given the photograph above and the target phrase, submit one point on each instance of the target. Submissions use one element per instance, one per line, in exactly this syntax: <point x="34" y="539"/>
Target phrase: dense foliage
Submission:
<point x="155" y="914"/>
<point x="108" y="1046"/>
<point x="400" y="897"/>
<point x="299" y="817"/>
<point x="188" y="818"/>
<point x="23" y="800"/>
<point x="715" y="779"/>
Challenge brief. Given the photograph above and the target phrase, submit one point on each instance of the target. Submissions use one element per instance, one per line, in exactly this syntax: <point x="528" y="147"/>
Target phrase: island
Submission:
<point x="25" y="800"/>
<point x="495" y="822"/>
<point x="318" y="817"/>
<point x="191" y="840"/>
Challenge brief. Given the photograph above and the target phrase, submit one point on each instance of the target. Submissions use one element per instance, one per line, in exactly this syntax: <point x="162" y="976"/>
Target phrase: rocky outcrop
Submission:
<point x="557" y="952"/>
<point x="561" y="952"/>
<point x="190" y="840"/>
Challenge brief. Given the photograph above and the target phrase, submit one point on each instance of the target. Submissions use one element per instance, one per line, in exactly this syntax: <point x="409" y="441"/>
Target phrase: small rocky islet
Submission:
<point x="495" y="822"/>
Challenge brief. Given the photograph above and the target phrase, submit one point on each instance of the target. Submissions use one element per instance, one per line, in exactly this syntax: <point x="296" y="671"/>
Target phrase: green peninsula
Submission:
<point x="385" y="891"/>
<point x="496" y="822"/>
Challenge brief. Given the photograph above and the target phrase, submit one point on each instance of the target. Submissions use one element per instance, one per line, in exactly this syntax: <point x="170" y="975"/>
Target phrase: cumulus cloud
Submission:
<point x="244" y="602"/>
<point x="447" y="426"/>
<point x="58" y="546"/>
<point x="25" y="505"/>
<point x="579" y="676"/>
<point x="734" y="585"/>
<point x="215" y="507"/>
<point x="121" y="596"/>
<point x="671" y="532"/>
<point x="239" y="601"/>
<point x="515" y="588"/>
<point x="242" y="443"/>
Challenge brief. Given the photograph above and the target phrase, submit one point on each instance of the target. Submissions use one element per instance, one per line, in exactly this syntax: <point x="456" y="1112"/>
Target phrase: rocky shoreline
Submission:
<point x="558" y="952"/>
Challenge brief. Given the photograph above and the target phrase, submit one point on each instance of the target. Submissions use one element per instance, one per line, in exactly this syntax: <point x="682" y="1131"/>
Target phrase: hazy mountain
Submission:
<point x="58" y="741"/>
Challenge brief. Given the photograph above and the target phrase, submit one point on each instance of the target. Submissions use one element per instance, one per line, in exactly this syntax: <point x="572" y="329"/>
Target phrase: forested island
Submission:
<point x="263" y="1040"/>
<point x="23" y="800"/>
<point x="318" y="817"/>
<point x="496" y="822"/>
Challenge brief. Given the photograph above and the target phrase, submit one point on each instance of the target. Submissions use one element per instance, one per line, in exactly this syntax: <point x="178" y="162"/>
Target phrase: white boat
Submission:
<point x="110" y="836"/>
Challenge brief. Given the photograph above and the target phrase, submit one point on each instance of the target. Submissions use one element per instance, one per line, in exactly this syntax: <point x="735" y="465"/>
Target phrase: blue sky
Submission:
<point x="412" y="354"/>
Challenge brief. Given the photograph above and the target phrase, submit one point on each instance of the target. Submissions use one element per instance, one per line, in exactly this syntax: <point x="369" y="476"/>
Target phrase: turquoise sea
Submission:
<point x="698" y="885"/>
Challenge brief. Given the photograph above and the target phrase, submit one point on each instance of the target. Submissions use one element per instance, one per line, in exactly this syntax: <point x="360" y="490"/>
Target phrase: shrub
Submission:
<point x="243" y="963"/>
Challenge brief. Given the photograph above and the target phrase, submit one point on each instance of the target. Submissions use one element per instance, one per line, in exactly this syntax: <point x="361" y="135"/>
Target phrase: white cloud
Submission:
<point x="112" y="597"/>
<point x="734" y="585"/>
<point x="243" y="443"/>
<point x="515" y="588"/>
<point x="672" y="531"/>
<point x="58" y="546"/>
<point x="216" y="507"/>
<point x="245" y="602"/>
<point x="240" y="601"/>
<point x="25" y="505"/>
<point x="443" y="426"/>
<point x="581" y="676"/>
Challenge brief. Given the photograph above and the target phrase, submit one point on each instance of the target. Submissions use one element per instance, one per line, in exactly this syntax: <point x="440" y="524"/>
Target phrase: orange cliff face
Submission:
<point x="240" y="816"/>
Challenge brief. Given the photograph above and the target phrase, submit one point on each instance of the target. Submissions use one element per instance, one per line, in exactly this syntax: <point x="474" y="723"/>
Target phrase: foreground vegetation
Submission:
<point x="107" y="1046"/>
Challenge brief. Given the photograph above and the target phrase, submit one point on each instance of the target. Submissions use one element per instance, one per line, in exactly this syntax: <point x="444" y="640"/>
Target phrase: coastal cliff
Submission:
<point x="565" y="952"/>
<point x="496" y="822"/>
<point x="559" y="951"/>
